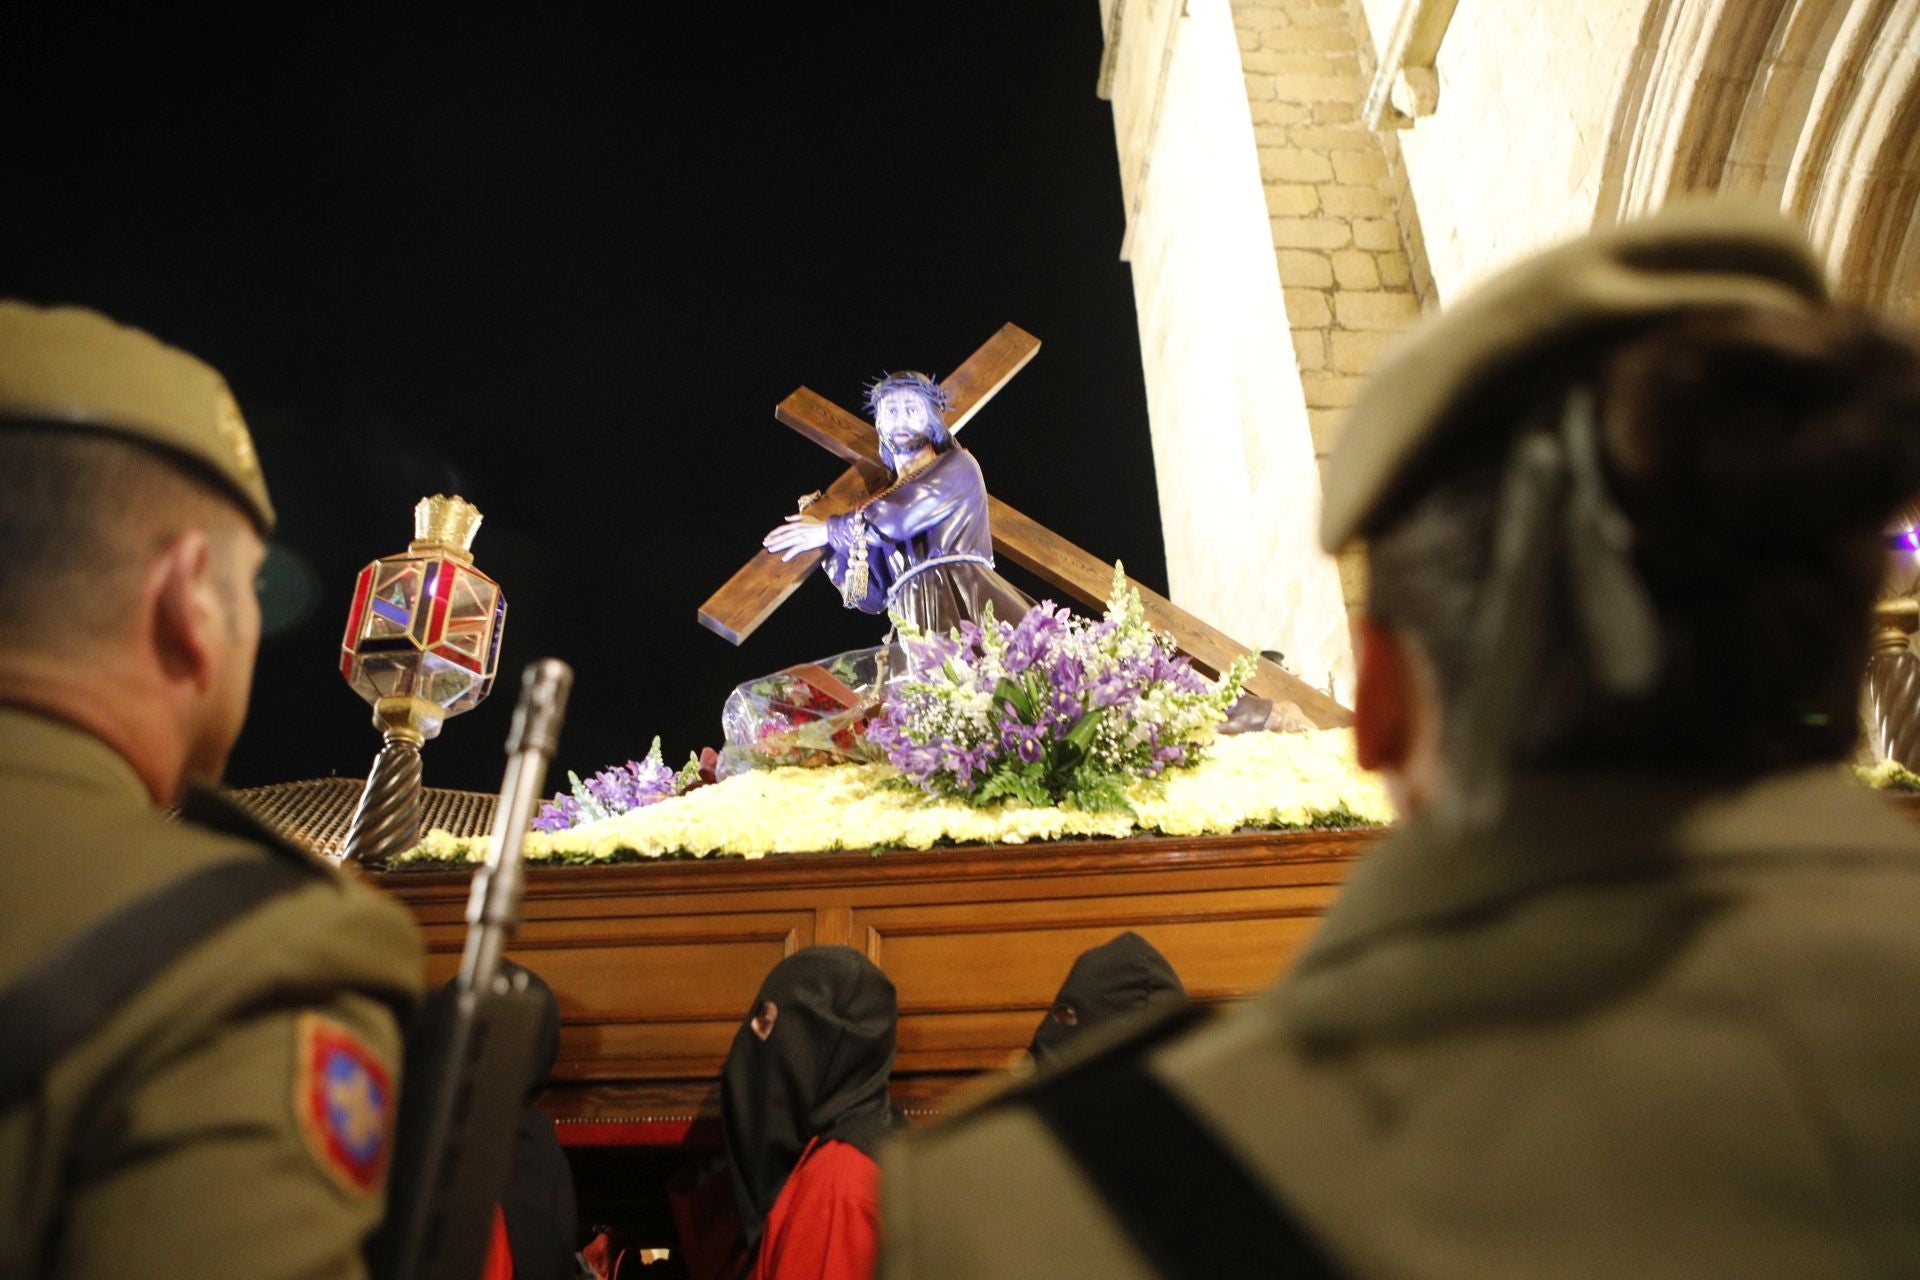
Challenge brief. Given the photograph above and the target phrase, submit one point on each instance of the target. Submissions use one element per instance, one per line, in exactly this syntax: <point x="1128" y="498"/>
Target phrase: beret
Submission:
<point x="1695" y="255"/>
<point x="69" y="365"/>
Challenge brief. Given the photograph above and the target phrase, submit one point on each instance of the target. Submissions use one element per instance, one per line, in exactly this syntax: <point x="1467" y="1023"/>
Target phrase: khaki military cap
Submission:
<point x="1697" y="255"/>
<point x="68" y="364"/>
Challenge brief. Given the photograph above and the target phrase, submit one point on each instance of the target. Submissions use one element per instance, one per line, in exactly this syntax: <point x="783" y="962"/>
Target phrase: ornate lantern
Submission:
<point x="422" y="643"/>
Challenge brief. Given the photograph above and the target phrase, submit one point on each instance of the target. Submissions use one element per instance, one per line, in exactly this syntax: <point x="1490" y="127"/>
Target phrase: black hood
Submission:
<point x="821" y="1071"/>
<point x="1124" y="976"/>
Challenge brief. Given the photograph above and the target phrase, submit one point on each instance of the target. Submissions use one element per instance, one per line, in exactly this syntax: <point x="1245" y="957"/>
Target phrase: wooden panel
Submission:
<point x="973" y="984"/>
<point x="963" y="1045"/>
<point x="654" y="964"/>
<point x="643" y="996"/>
<point x="955" y="957"/>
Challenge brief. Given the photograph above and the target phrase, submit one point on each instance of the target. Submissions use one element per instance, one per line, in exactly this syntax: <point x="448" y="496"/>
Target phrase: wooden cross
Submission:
<point x="764" y="582"/>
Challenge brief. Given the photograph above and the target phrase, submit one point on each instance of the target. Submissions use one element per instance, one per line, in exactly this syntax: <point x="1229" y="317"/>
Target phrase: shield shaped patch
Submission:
<point x="344" y="1097"/>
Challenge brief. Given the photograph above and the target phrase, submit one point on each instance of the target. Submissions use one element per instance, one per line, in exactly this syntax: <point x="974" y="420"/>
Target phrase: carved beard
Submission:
<point x="895" y="456"/>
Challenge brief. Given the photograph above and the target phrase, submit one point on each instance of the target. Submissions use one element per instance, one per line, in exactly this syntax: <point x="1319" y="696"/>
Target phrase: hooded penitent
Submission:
<point x="816" y="1065"/>
<point x="1124" y="976"/>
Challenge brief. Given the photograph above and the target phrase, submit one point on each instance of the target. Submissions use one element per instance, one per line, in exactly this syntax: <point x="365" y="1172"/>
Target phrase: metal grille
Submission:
<point x="317" y="813"/>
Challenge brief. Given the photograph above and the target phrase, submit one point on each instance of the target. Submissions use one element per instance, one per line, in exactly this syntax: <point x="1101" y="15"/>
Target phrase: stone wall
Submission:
<point x="1350" y="283"/>
<point x="1543" y="120"/>
<point x="1513" y="158"/>
<point x="1234" y="437"/>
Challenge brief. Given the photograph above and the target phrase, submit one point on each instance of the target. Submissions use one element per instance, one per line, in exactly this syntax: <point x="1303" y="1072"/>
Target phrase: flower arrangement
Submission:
<point x="621" y="789"/>
<point x="1252" y="781"/>
<point x="1058" y="709"/>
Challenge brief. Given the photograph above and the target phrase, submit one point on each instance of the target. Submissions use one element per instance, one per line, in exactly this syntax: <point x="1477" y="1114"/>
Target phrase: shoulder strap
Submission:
<point x="1189" y="1205"/>
<point x="79" y="986"/>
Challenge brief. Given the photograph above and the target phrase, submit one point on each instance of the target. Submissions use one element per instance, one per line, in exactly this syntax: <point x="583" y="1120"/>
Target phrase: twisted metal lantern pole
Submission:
<point x="1893" y="683"/>
<point x="387" y="820"/>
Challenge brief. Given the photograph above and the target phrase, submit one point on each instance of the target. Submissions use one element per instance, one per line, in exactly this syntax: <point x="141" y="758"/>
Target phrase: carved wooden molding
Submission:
<point x="1405" y="85"/>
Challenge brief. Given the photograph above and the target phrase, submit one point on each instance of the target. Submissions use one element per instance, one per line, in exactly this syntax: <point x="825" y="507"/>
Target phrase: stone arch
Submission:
<point x="1813" y="103"/>
<point x="1775" y="118"/>
<point x="1856" y="180"/>
<point x="1677" y="118"/>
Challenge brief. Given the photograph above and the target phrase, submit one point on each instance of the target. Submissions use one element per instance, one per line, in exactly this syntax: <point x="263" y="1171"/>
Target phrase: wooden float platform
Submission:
<point x="655" y="964"/>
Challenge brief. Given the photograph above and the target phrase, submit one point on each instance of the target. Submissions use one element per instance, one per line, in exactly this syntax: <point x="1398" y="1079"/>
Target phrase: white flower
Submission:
<point x="1255" y="779"/>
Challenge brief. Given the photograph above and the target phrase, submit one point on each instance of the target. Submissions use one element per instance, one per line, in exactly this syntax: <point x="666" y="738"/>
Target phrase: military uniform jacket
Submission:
<point x="233" y="1117"/>
<point x="1648" y="1029"/>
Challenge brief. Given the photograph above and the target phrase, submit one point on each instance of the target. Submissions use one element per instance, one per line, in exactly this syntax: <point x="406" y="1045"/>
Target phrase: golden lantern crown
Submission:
<point x="445" y="524"/>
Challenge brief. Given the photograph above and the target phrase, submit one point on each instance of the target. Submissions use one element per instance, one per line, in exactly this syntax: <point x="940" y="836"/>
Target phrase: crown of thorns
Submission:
<point x="907" y="380"/>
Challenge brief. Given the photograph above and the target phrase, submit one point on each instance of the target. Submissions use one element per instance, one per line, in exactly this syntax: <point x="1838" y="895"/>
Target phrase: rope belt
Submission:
<point x="952" y="557"/>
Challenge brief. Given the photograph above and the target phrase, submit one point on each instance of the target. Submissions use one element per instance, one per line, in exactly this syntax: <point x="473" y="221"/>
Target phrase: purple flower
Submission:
<point x="1026" y="741"/>
<point x="1175" y="670"/>
<point x="965" y="762"/>
<point x="558" y="814"/>
<point x="917" y="762"/>
<point x="1112" y="690"/>
<point x="631" y="785"/>
<point x="1049" y="689"/>
<point x="1165" y="757"/>
<point x="1063" y="708"/>
<point x="884" y="733"/>
<point x="611" y="791"/>
<point x="928" y="655"/>
<point x="1068" y="675"/>
<point x="1034" y="638"/>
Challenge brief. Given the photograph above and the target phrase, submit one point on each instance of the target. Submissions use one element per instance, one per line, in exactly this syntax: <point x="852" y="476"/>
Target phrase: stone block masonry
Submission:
<point x="1221" y="187"/>
<point x="1345" y="270"/>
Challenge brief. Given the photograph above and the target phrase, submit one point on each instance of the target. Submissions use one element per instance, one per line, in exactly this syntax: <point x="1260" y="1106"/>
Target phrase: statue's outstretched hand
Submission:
<point x="796" y="536"/>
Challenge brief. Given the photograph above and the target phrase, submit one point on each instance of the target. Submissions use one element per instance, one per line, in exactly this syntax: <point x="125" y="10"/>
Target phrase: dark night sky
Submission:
<point x="566" y="265"/>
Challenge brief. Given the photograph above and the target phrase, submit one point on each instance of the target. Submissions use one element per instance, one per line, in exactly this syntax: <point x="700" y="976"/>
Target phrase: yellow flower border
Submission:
<point x="1273" y="780"/>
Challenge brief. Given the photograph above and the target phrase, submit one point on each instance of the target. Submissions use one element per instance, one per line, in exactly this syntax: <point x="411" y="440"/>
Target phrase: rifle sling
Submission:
<point x="75" y="989"/>
<point x="1188" y="1203"/>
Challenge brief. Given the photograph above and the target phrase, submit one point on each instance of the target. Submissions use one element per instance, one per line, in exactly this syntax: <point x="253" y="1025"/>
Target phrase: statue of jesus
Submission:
<point x="922" y="547"/>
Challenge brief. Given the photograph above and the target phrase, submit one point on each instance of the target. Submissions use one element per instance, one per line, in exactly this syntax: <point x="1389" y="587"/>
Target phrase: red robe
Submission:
<point x="499" y="1260"/>
<point x="825" y="1223"/>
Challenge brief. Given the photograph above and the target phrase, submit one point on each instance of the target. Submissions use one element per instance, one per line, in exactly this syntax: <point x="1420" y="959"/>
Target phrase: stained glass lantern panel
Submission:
<point x="423" y="627"/>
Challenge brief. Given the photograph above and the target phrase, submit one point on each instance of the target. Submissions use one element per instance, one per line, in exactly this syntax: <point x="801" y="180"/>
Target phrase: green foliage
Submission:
<point x="1025" y="784"/>
<point x="1340" y="818"/>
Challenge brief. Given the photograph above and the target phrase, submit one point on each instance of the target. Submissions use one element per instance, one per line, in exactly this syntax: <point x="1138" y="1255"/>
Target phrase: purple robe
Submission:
<point x="929" y="550"/>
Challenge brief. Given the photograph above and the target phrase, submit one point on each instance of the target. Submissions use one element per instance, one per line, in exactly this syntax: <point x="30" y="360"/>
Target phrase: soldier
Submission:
<point x="202" y="1050"/>
<point x="1628" y="992"/>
